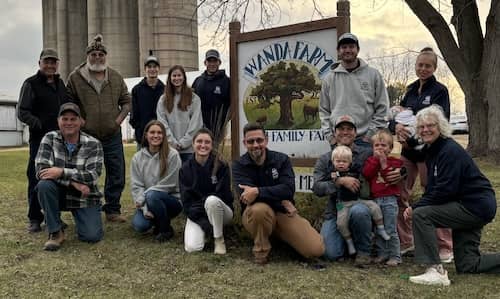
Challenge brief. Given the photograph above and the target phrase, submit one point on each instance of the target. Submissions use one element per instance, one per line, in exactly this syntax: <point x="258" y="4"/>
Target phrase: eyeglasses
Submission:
<point x="255" y="140"/>
<point x="427" y="126"/>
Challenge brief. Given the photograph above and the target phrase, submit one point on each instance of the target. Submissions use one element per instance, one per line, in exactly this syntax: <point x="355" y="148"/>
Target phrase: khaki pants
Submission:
<point x="261" y="221"/>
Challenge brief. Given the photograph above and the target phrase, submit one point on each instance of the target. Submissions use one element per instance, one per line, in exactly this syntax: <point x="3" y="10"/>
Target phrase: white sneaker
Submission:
<point x="432" y="277"/>
<point x="446" y="257"/>
<point x="219" y="246"/>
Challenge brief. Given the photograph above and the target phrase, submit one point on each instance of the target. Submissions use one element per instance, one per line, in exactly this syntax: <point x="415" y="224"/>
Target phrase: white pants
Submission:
<point x="219" y="214"/>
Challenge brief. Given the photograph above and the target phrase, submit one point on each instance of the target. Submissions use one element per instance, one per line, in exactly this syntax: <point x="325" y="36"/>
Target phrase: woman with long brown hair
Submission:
<point x="206" y="195"/>
<point x="179" y="109"/>
<point x="154" y="175"/>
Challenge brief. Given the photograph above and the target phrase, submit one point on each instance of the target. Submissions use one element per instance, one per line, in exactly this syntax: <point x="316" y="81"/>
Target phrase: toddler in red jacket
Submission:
<point x="385" y="195"/>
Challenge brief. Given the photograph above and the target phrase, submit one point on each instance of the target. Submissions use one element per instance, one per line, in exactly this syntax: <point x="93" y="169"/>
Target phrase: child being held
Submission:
<point x="406" y="117"/>
<point x="342" y="159"/>
<point x="385" y="195"/>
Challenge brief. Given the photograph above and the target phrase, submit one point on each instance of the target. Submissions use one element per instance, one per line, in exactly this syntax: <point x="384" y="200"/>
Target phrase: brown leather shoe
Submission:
<point x="115" y="218"/>
<point x="54" y="242"/>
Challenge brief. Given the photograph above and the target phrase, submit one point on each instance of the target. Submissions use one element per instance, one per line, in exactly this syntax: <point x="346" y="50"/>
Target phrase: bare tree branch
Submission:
<point x="439" y="29"/>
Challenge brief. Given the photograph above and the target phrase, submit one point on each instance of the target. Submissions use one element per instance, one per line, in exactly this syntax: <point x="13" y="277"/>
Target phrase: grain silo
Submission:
<point x="170" y="29"/>
<point x="116" y="20"/>
<point x="129" y="28"/>
<point x="65" y="29"/>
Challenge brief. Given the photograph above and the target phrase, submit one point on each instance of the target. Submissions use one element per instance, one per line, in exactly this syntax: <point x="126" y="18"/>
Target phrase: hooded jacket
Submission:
<point x="360" y="94"/>
<point x="144" y="100"/>
<point x="145" y="174"/>
<point x="214" y="92"/>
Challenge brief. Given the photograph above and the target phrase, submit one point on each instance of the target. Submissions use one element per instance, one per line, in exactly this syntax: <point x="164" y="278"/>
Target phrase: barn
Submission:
<point x="11" y="129"/>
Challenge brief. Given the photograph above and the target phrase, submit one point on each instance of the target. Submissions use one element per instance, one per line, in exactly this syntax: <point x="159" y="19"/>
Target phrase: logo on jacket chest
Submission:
<point x="365" y="86"/>
<point x="217" y="90"/>
<point x="427" y="100"/>
<point x="214" y="180"/>
<point x="274" y="173"/>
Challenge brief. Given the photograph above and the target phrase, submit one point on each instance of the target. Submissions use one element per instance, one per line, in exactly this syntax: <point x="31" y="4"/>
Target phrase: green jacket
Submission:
<point x="99" y="109"/>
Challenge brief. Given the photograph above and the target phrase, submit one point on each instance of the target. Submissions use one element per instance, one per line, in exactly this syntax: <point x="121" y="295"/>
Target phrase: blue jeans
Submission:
<point x="114" y="162"/>
<point x="388" y="249"/>
<point x="34" y="209"/>
<point x="360" y="224"/>
<point x="87" y="220"/>
<point x="163" y="206"/>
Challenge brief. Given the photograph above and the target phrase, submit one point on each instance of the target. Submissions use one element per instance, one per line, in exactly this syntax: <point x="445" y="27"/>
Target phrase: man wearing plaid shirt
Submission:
<point x="68" y="165"/>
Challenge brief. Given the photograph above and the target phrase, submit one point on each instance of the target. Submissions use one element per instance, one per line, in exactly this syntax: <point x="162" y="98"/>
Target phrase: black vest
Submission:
<point x="48" y="97"/>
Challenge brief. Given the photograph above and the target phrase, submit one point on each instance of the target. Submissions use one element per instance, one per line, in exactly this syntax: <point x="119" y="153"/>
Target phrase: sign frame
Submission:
<point x="340" y="23"/>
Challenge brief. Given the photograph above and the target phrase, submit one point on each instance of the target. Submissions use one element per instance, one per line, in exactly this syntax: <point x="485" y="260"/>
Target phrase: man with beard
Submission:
<point x="213" y="89"/>
<point x="145" y="97"/>
<point x="356" y="89"/>
<point x="265" y="182"/>
<point x="102" y="95"/>
<point x="39" y="101"/>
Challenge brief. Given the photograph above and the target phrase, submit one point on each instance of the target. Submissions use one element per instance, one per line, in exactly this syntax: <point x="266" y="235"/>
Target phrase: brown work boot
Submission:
<point x="115" y="218"/>
<point x="54" y="242"/>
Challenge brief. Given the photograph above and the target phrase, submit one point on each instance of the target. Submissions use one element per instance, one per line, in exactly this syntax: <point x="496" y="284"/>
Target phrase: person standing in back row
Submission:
<point x="145" y="96"/>
<point x="102" y="95"/>
<point x="39" y="101"/>
<point x="356" y="89"/>
<point x="213" y="89"/>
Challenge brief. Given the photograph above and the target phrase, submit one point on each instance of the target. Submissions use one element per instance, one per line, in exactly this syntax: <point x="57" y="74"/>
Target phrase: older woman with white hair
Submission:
<point x="457" y="196"/>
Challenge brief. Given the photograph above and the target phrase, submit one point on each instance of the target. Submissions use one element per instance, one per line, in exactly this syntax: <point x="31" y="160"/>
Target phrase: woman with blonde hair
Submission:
<point x="422" y="93"/>
<point x="179" y="109"/>
<point x="154" y="173"/>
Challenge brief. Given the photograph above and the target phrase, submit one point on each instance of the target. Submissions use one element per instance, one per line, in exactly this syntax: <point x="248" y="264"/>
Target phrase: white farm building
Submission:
<point x="11" y="129"/>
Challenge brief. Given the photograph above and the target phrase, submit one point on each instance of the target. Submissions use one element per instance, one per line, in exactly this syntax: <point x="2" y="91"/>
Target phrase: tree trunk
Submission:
<point x="286" y="117"/>
<point x="477" y="115"/>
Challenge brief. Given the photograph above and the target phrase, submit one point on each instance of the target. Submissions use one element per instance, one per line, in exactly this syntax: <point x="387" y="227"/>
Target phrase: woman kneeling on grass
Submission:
<point x="154" y="173"/>
<point x="206" y="195"/>
<point x="457" y="196"/>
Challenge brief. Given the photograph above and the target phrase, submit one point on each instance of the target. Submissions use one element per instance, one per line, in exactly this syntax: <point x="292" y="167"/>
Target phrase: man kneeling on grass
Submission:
<point x="68" y="165"/>
<point x="266" y="184"/>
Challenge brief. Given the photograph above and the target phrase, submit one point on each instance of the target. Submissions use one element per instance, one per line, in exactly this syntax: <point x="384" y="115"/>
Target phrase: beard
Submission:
<point x="97" y="67"/>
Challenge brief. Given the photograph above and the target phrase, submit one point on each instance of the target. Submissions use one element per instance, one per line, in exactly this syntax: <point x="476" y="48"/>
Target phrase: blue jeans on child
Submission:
<point x="388" y="249"/>
<point x="164" y="208"/>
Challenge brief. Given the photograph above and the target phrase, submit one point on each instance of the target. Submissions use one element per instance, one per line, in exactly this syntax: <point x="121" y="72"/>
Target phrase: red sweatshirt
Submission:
<point x="375" y="175"/>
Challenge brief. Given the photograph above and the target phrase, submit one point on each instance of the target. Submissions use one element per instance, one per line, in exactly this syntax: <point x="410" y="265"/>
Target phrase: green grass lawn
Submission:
<point x="126" y="264"/>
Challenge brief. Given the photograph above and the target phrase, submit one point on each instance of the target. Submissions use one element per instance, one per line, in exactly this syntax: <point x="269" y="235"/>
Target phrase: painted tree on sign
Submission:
<point x="286" y="81"/>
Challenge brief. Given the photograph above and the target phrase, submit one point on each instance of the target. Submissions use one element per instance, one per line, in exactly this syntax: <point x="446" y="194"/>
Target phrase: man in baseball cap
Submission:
<point x="213" y="89"/>
<point x="68" y="166"/>
<point x="145" y="96"/>
<point x="38" y="106"/>
<point x="356" y="89"/>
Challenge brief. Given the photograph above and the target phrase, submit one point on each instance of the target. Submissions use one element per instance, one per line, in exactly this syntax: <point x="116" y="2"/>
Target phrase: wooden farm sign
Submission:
<point x="276" y="81"/>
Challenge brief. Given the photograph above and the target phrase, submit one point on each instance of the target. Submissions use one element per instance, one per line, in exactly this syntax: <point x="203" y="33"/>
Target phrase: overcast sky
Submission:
<point x="380" y="25"/>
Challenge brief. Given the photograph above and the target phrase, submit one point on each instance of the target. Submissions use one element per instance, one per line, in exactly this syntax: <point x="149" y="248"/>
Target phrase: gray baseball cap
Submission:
<point x="348" y="38"/>
<point x="212" y="53"/>
<point x="49" y="53"/>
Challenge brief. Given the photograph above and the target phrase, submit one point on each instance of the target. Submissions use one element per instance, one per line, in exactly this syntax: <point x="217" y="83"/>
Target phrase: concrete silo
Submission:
<point x="116" y="20"/>
<point x="65" y="29"/>
<point x="170" y="29"/>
